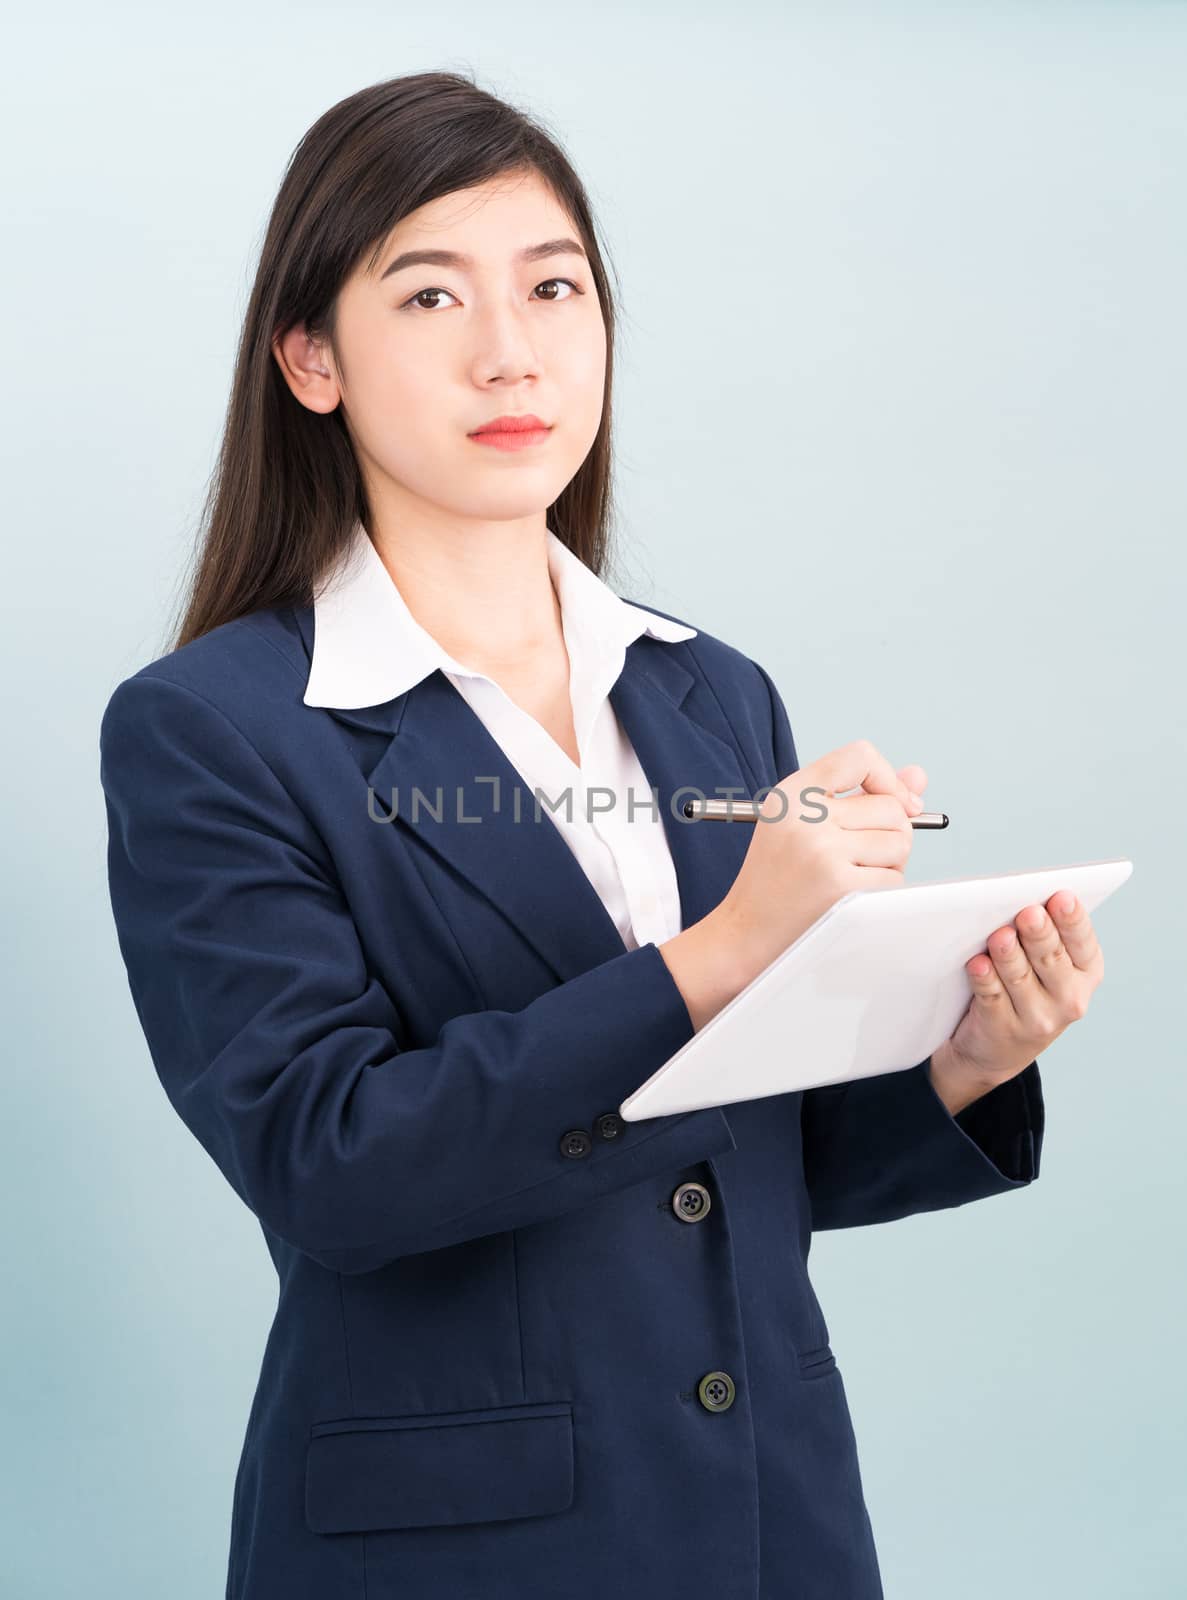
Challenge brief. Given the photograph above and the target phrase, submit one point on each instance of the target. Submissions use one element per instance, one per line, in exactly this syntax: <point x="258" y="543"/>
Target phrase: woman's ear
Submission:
<point x="308" y="369"/>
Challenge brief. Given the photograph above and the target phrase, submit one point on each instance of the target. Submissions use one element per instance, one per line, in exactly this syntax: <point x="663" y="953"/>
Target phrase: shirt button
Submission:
<point x="576" y="1143"/>
<point x="691" y="1202"/>
<point x="716" y="1391"/>
<point x="609" y="1124"/>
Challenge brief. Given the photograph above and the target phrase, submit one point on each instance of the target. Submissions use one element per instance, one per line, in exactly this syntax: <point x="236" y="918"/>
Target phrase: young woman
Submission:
<point x="522" y="1347"/>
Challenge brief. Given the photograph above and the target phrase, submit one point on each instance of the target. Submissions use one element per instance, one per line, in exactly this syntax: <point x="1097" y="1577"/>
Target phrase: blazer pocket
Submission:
<point x="817" y="1363"/>
<point x="367" y="1473"/>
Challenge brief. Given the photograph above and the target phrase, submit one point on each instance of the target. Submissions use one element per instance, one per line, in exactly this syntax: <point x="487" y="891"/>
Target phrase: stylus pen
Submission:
<point x="747" y="811"/>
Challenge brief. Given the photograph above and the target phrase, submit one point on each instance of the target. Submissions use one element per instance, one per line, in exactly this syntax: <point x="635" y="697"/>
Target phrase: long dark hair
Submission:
<point x="286" y="488"/>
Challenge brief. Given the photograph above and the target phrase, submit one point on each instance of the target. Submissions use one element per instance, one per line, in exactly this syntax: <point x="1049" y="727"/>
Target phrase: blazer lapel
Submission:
<point x="478" y="815"/>
<point x="684" y="759"/>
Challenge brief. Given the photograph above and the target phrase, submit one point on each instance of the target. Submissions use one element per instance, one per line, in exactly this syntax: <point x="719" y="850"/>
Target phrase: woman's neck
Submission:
<point x="484" y="594"/>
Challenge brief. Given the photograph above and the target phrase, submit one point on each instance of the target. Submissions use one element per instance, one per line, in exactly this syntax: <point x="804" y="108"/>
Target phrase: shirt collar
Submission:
<point x="368" y="647"/>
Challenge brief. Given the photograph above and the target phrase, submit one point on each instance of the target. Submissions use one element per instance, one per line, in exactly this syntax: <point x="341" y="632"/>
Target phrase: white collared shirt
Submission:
<point x="368" y="648"/>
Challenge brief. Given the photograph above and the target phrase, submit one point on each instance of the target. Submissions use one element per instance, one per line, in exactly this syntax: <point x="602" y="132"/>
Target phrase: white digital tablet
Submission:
<point x="874" y="985"/>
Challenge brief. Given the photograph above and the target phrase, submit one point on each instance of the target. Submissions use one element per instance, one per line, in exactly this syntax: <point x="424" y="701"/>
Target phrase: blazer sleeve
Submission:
<point x="879" y="1148"/>
<point x="279" y="1048"/>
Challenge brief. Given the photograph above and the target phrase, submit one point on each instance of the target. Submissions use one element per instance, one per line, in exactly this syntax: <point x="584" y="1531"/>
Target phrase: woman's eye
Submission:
<point x="418" y="299"/>
<point x="569" y="281"/>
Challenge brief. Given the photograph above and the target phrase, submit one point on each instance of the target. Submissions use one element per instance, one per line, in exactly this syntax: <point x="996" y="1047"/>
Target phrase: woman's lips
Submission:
<point x="518" y="440"/>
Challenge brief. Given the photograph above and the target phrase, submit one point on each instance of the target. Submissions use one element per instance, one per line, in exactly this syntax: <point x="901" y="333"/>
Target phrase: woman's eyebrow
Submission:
<point x="454" y="258"/>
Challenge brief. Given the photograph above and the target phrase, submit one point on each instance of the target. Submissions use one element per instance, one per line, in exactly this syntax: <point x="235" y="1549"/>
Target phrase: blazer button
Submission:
<point x="609" y="1125"/>
<point x="576" y="1143"/>
<point x="716" y="1391"/>
<point x="691" y="1202"/>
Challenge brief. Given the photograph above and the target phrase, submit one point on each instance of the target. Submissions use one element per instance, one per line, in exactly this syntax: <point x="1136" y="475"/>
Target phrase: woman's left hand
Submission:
<point x="1027" y="988"/>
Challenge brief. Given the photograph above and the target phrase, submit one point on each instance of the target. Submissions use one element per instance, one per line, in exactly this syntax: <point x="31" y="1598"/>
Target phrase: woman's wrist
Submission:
<point x="955" y="1084"/>
<point x="709" y="964"/>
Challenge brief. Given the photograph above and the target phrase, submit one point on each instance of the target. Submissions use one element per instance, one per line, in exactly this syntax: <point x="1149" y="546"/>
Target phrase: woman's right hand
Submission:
<point x="805" y="855"/>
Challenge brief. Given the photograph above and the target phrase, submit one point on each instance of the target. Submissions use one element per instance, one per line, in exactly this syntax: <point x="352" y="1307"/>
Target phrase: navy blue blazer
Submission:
<point x="523" y="1350"/>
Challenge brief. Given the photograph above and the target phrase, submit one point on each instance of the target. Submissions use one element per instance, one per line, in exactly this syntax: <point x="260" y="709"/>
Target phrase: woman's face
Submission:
<point x="431" y="351"/>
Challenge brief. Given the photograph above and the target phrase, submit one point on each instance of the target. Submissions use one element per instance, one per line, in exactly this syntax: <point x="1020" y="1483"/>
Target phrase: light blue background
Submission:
<point x="900" y="414"/>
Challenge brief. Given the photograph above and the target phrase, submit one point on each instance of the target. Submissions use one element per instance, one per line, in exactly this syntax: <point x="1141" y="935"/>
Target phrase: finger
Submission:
<point x="1045" y="950"/>
<point x="914" y="777"/>
<point x="1013" y="968"/>
<point x="861" y="811"/>
<point x="880" y="847"/>
<point x="989" y="989"/>
<point x="860" y="766"/>
<point x="1076" y="931"/>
